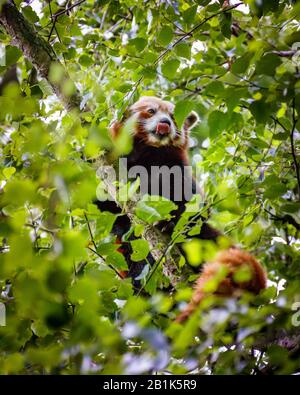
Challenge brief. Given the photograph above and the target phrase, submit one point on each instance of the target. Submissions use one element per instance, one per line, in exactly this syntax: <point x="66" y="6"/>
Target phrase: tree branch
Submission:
<point x="294" y="155"/>
<point x="286" y="219"/>
<point x="288" y="339"/>
<point x="66" y="10"/>
<point x="37" y="51"/>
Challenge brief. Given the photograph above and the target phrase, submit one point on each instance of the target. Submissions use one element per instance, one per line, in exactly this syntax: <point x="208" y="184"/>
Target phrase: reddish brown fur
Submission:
<point x="233" y="260"/>
<point x="115" y="129"/>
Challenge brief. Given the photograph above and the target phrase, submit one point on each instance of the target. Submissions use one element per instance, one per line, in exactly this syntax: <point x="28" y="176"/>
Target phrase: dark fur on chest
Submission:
<point x="166" y="169"/>
<point x="147" y="156"/>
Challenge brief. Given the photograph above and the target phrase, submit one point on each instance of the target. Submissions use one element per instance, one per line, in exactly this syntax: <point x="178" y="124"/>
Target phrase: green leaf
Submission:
<point x="261" y="111"/>
<point x="217" y="122"/>
<point x="182" y="110"/>
<point x="292" y="38"/>
<point x="12" y="55"/>
<point x="45" y="87"/>
<point x="135" y="307"/>
<point x="226" y="22"/>
<point x="138" y="230"/>
<point x="184" y="50"/>
<point x="19" y="191"/>
<point x="215" y="88"/>
<point x="275" y="191"/>
<point x="242" y="63"/>
<point x="154" y="208"/>
<point x="140" y="250"/>
<point x="262" y="7"/>
<point x="123" y="142"/>
<point x="56" y="73"/>
<point x="107" y="248"/>
<point x="104" y="223"/>
<point x="8" y="172"/>
<point x="189" y="14"/>
<point x="243" y="274"/>
<point x="170" y="67"/>
<point x="268" y="64"/>
<point x="139" y="43"/>
<point x="30" y="14"/>
<point x="290" y="207"/>
<point x="270" y="5"/>
<point x="165" y="36"/>
<point x="117" y="260"/>
<point x="86" y="60"/>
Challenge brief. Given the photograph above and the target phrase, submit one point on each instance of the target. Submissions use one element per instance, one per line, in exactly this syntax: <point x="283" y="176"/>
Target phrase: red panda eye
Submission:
<point x="151" y="111"/>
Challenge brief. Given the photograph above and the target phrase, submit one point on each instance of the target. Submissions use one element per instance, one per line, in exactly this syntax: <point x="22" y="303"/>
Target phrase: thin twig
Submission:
<point x="90" y="231"/>
<point x="57" y="14"/>
<point x="276" y="120"/>
<point x="52" y="232"/>
<point x="36" y="236"/>
<point x="53" y="20"/>
<point x="103" y="19"/>
<point x="155" y="267"/>
<point x="296" y="164"/>
<point x="109" y="265"/>
<point x="173" y="23"/>
<point x="286" y="219"/>
<point x="95" y="246"/>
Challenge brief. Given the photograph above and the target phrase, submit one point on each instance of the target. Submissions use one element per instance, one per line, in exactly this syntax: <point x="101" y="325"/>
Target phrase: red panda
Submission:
<point x="157" y="141"/>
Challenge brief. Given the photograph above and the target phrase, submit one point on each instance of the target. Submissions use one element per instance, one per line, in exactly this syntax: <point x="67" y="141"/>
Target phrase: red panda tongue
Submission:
<point x="162" y="128"/>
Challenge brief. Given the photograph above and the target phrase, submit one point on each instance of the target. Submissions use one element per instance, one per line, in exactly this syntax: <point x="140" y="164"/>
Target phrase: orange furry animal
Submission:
<point x="158" y="143"/>
<point x="227" y="265"/>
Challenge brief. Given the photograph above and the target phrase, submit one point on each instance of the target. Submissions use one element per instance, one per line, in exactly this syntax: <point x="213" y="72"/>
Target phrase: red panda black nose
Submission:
<point x="163" y="127"/>
<point x="165" y="120"/>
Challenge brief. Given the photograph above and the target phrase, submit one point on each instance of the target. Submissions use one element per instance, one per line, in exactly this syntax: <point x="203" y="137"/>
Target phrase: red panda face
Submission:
<point x="155" y="123"/>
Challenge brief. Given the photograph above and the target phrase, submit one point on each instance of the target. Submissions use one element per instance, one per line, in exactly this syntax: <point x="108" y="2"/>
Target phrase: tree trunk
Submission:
<point x="37" y="50"/>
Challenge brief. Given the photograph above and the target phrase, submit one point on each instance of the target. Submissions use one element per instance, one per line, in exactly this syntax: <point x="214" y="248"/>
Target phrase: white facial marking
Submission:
<point x="150" y="125"/>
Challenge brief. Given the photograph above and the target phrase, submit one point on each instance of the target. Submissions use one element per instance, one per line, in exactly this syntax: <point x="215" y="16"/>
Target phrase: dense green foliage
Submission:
<point x="66" y="309"/>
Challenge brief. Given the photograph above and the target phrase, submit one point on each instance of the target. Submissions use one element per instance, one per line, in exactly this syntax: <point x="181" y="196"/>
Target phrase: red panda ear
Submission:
<point x="191" y="120"/>
<point x="115" y="129"/>
<point x="117" y="125"/>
